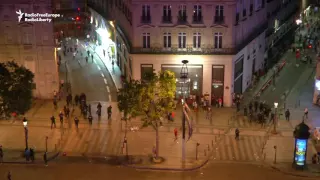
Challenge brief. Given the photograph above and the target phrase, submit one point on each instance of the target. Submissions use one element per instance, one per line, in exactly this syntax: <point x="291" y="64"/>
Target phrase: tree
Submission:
<point x="128" y="100"/>
<point x="157" y="100"/>
<point x="16" y="88"/>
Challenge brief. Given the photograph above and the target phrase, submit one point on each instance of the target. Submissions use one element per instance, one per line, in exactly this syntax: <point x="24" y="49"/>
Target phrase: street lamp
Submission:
<point x="25" y="123"/>
<point x="275" y="117"/>
<point x="183" y="76"/>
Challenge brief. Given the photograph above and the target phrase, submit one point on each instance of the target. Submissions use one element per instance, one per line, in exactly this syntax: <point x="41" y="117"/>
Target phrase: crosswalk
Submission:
<point x="243" y="122"/>
<point x="248" y="148"/>
<point x="92" y="142"/>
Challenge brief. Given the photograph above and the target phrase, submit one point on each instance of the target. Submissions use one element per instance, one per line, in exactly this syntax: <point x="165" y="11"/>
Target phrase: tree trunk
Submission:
<point x="157" y="141"/>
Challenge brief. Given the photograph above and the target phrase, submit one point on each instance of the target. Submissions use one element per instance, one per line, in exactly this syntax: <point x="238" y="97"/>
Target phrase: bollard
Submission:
<point x="208" y="147"/>
<point x="205" y="153"/>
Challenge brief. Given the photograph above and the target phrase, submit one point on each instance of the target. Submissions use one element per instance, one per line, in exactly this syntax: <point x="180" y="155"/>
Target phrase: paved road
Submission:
<point x="90" y="78"/>
<point x="85" y="171"/>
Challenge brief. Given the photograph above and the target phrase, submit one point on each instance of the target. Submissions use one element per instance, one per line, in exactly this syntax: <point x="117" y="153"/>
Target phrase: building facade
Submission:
<point x="282" y="16"/>
<point x="224" y="42"/>
<point x="111" y="30"/>
<point x="30" y="44"/>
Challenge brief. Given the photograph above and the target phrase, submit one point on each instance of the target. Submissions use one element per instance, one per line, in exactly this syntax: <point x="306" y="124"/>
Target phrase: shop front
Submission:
<point x="217" y="90"/>
<point x="192" y="85"/>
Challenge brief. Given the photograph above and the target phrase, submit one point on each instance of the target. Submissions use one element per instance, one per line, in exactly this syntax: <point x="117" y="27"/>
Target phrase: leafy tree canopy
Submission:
<point x="16" y="88"/>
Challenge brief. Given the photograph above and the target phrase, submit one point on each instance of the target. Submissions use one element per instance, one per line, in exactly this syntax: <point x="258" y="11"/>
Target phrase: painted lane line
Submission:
<point x="99" y="68"/>
<point x="109" y="98"/>
<point x="105" y="81"/>
<point x="102" y="75"/>
<point x="108" y="90"/>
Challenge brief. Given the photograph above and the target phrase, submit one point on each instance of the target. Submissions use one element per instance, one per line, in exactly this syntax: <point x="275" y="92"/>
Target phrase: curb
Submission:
<point x="295" y="174"/>
<point x="167" y="169"/>
<point x="32" y="163"/>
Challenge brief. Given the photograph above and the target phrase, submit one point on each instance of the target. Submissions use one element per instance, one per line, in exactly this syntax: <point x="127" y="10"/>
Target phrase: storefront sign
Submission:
<point x="300" y="152"/>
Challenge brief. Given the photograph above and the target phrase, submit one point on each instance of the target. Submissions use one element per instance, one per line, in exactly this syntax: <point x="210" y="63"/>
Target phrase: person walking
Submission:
<point x="287" y="115"/>
<point x="76" y="99"/>
<point x="109" y="112"/>
<point x="306" y="112"/>
<point x="175" y="132"/>
<point x="90" y="119"/>
<point x="76" y="122"/>
<point x="31" y="154"/>
<point x="245" y="111"/>
<point x="61" y="117"/>
<point x="9" y="175"/>
<point x="45" y="159"/>
<point x="53" y="122"/>
<point x="237" y="134"/>
<point x="1" y="154"/>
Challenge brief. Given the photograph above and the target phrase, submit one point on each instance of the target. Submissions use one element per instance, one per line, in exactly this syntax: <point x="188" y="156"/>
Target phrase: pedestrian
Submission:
<point x="220" y="102"/>
<point x="1" y="154"/>
<point x="90" y="119"/>
<point x="238" y="105"/>
<point x="45" y="159"/>
<point x="86" y="59"/>
<point x="31" y="154"/>
<point x="175" y="132"/>
<point x="76" y="99"/>
<point x="55" y="94"/>
<point x="88" y="52"/>
<point x="112" y="64"/>
<point x="237" y="134"/>
<point x="9" y="175"/>
<point x="89" y="109"/>
<point x="245" y="111"/>
<point x="27" y="154"/>
<point x="306" y="113"/>
<point x="287" y="114"/>
<point x="208" y="114"/>
<point x="53" y="122"/>
<point x="76" y="122"/>
<point x="61" y="117"/>
<point x="92" y="57"/>
<point x="55" y="104"/>
<point x="109" y="112"/>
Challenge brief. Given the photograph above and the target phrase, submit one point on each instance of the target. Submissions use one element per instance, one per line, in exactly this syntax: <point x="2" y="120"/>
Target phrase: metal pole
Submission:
<point x="26" y="136"/>
<point x="183" y="134"/>
<point x="275" y="121"/>
<point x="275" y="154"/>
<point x="46" y="143"/>
<point x="197" y="151"/>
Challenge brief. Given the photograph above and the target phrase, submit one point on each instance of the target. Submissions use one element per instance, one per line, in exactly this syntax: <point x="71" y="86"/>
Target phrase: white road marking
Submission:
<point x="105" y="81"/>
<point x="109" y="98"/>
<point x="102" y="75"/>
<point x="108" y="90"/>
<point x="99" y="68"/>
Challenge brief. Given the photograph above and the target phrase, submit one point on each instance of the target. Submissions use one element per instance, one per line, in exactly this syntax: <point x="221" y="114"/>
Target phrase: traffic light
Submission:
<point x="77" y="18"/>
<point x="78" y="9"/>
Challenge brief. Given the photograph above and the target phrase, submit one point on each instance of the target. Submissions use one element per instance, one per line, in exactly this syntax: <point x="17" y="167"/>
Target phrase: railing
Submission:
<point x="188" y="50"/>
<point x="146" y="19"/>
<point x="197" y="19"/>
<point x="182" y="20"/>
<point x="219" y="19"/>
<point x="166" y="19"/>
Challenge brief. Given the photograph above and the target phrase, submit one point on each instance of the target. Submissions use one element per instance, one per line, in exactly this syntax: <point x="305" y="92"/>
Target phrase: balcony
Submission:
<point x="182" y="20"/>
<point x="145" y="19"/>
<point x="219" y="20"/>
<point x="189" y="50"/>
<point x="166" y="19"/>
<point x="197" y="20"/>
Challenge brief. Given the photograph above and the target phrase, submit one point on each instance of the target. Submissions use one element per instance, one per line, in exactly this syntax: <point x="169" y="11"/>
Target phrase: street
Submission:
<point x="86" y="171"/>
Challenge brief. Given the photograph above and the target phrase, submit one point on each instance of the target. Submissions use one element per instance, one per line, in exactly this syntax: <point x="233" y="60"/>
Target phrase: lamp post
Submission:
<point x="183" y="76"/>
<point x="25" y="123"/>
<point x="275" y="117"/>
<point x="46" y="143"/>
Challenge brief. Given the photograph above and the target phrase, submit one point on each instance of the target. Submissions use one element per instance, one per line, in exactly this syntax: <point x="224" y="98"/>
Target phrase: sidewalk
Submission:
<point x="312" y="170"/>
<point x="17" y="157"/>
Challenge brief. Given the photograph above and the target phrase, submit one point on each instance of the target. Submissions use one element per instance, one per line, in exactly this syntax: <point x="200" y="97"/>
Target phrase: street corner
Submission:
<point x="311" y="171"/>
<point x="150" y="163"/>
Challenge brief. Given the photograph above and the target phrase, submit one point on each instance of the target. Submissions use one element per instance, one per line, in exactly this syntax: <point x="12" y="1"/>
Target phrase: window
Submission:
<point x="219" y="16"/>
<point x="197" y="13"/>
<point x="196" y="40"/>
<point x="145" y="18"/>
<point x="182" y="38"/>
<point x="27" y="36"/>
<point x="166" y="14"/>
<point x="218" y="40"/>
<point x="146" y="40"/>
<point x="244" y="13"/>
<point x="146" y="70"/>
<point x="182" y="16"/>
<point x="251" y="8"/>
<point x="257" y="5"/>
<point x="167" y="40"/>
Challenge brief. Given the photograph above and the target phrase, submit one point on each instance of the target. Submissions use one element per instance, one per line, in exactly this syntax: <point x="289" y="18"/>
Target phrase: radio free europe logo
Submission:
<point x="36" y="17"/>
